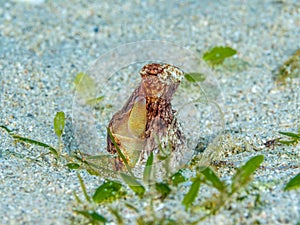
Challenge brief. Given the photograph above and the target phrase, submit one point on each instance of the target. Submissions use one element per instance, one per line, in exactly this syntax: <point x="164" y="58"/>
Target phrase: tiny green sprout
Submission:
<point x="131" y="207"/>
<point x="178" y="178"/>
<point x="213" y="179"/>
<point x="190" y="197"/>
<point x="59" y="123"/>
<point x="29" y="141"/>
<point x="243" y="174"/>
<point x="83" y="188"/>
<point x="92" y="171"/>
<point x="85" y="87"/>
<point x="38" y="143"/>
<point x="217" y="55"/>
<point x="215" y="203"/>
<point x="294" y="138"/>
<point x="148" y="169"/>
<point x="294" y="183"/>
<point x="163" y="189"/>
<point x="134" y="185"/>
<point x="109" y="191"/>
<point x="94" y="101"/>
<point x="6" y="129"/>
<point x="76" y="197"/>
<point x="92" y="216"/>
<point x="73" y="166"/>
<point x="290" y="68"/>
<point x="195" y="77"/>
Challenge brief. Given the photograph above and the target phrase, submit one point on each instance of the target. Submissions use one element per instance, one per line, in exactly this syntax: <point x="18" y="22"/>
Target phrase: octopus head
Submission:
<point x="160" y="80"/>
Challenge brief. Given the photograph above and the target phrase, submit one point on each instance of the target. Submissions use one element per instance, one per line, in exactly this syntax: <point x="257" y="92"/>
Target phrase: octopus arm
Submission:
<point x="131" y="148"/>
<point x="138" y="118"/>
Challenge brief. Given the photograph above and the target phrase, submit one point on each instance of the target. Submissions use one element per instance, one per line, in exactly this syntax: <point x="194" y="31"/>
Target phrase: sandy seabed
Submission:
<point x="44" y="44"/>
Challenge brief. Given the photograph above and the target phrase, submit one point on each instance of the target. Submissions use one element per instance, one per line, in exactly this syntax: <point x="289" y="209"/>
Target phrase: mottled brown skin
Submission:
<point x="160" y="121"/>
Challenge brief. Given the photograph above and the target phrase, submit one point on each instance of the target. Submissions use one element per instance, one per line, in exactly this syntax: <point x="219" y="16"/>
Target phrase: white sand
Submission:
<point x="44" y="44"/>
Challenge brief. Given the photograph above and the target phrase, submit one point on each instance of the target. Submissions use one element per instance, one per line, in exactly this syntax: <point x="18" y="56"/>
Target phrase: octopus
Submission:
<point x="147" y="122"/>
